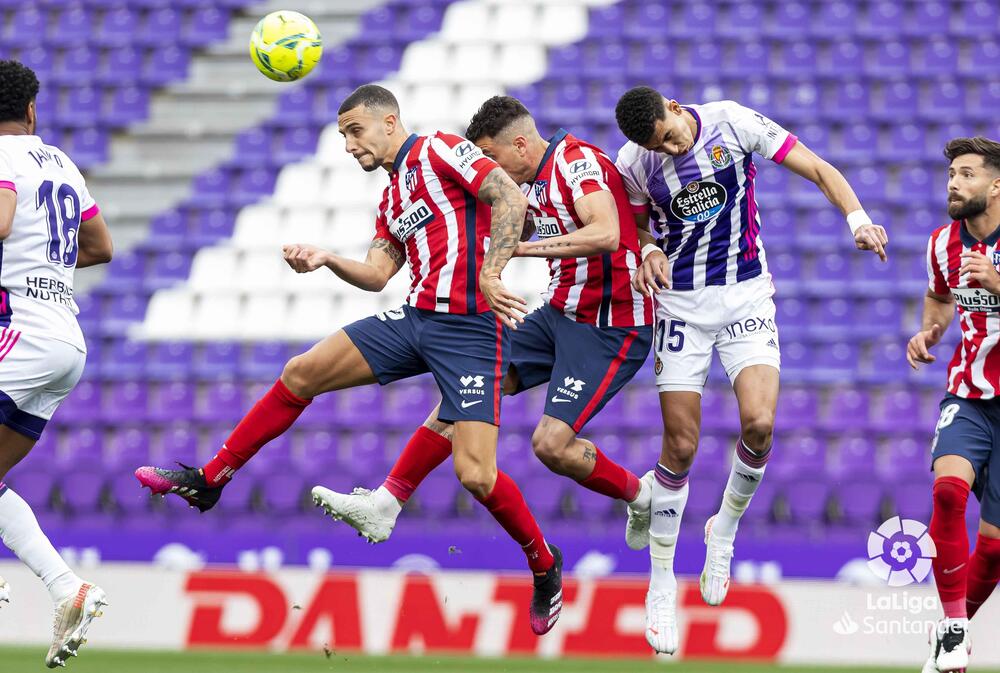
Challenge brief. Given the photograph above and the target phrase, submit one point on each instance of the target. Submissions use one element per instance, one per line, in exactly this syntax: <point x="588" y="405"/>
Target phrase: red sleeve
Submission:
<point x="460" y="160"/>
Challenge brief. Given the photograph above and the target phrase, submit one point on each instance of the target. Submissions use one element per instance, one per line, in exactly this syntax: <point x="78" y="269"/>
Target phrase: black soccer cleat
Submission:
<point x="546" y="602"/>
<point x="188" y="482"/>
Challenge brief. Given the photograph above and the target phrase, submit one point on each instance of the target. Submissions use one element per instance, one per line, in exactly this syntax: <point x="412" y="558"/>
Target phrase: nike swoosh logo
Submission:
<point x="466" y="405"/>
<point x="560" y="399"/>
<point x="654" y="631"/>
<point x="955" y="569"/>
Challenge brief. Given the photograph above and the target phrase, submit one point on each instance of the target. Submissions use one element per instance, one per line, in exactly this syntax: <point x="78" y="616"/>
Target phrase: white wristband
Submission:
<point x="649" y="248"/>
<point x="857" y="219"/>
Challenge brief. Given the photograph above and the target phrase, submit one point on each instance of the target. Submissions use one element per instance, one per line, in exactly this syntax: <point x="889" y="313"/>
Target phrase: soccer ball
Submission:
<point x="285" y="45"/>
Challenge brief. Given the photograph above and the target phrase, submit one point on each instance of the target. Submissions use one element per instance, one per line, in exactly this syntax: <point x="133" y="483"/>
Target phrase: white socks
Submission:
<point x="386" y="503"/>
<point x="21" y="534"/>
<point x="670" y="492"/>
<point x="744" y="478"/>
<point x="643" y="498"/>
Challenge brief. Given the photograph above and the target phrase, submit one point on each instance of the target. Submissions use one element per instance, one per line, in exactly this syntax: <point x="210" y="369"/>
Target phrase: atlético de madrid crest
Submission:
<point x="719" y="155"/>
<point x="996" y="259"/>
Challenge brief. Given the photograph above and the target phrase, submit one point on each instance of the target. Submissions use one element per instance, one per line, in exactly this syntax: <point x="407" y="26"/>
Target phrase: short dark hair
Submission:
<point x="19" y="86"/>
<point x="495" y="115"/>
<point x="372" y="96"/>
<point x="988" y="149"/>
<point x="637" y="111"/>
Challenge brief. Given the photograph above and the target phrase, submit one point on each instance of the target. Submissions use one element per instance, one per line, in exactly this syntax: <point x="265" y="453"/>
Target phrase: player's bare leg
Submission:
<point x="334" y="363"/>
<point x="953" y="478"/>
<point x="756" y="390"/>
<point x="474" y="453"/>
<point x="557" y="445"/>
<point x="76" y="602"/>
<point x="373" y="513"/>
<point x="681" y="412"/>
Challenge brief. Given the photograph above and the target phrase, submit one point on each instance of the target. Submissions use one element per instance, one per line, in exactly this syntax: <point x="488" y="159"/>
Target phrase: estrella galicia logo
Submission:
<point x="900" y="552"/>
<point x="719" y="155"/>
<point x="699" y="201"/>
<point x="410" y="179"/>
<point x="579" y="166"/>
<point x="541" y="194"/>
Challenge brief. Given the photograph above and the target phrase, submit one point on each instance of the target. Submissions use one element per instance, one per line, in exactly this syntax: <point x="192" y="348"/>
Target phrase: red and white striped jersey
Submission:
<point x="974" y="370"/>
<point x="594" y="290"/>
<point x="430" y="212"/>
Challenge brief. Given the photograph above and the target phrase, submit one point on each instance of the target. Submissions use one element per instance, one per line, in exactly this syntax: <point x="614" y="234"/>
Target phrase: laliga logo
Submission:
<point x="900" y="552"/>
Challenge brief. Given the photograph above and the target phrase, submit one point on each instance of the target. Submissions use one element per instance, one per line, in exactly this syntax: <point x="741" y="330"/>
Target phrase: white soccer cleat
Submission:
<point x="950" y="646"/>
<point x="661" y="621"/>
<point x="714" y="580"/>
<point x="358" y="510"/>
<point x="4" y="591"/>
<point x="72" y="621"/>
<point x="637" y="526"/>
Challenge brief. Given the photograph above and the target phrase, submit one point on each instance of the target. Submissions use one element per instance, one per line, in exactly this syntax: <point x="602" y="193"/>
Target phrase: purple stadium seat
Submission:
<point x="834" y="18"/>
<point x="797" y="58"/>
<point x="977" y="16"/>
<point x="806" y="498"/>
<point x="264" y="361"/>
<point x="797" y="408"/>
<point x="77" y="65"/>
<point x="254" y="144"/>
<point x="314" y="447"/>
<point x="178" y="442"/>
<point x="855" y="454"/>
<point x="379" y="23"/>
<point x="741" y="19"/>
<point x="209" y="225"/>
<point x="608" y="59"/>
<point x="128" y="448"/>
<point x="251" y="185"/>
<point x="655" y="59"/>
<point x="126" y="402"/>
<point x="128" y="104"/>
<point x="165" y="65"/>
<point x="81" y="489"/>
<point x="926" y="18"/>
<point x="167" y="269"/>
<point x="646" y="20"/>
<point x="205" y="24"/>
<point x="436" y="495"/>
<point x="879" y="16"/>
<point x="221" y="401"/>
<point x="906" y="142"/>
<point x="544" y="493"/>
<point x="80" y="404"/>
<point x="124" y="360"/>
<point x="80" y="107"/>
<point x="28" y="21"/>
<point x="859" y="499"/>
<point x="169" y="226"/>
<point x="912" y="500"/>
<point x="170" y="361"/>
<point x="217" y="360"/>
<point x="117" y="27"/>
<point x="944" y="98"/>
<point x="761" y="509"/>
<point x="749" y="58"/>
<point x="801" y="453"/>
<point x="239" y="496"/>
<point x="607" y="20"/>
<point x="171" y="401"/>
<point x="787" y="14"/>
<point x="35" y="486"/>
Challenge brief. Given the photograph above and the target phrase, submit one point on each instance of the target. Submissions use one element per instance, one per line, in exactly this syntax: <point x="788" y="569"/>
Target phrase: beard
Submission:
<point x="965" y="209"/>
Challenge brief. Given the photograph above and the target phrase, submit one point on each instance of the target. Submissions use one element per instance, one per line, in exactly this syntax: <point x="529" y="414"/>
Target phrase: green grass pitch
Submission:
<point x="25" y="660"/>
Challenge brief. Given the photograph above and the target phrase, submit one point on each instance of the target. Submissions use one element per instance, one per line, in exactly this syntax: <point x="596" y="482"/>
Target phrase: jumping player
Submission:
<point x="49" y="225"/>
<point x="587" y="341"/>
<point x="436" y="215"/>
<point x="689" y="170"/>
<point x="963" y="259"/>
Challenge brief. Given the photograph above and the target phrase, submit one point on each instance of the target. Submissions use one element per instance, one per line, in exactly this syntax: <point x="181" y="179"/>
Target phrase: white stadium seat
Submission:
<point x="168" y="316"/>
<point x="263" y="316"/>
<point x="217" y="315"/>
<point x="214" y="267"/>
<point x="261" y="270"/>
<point x="300" y="184"/>
<point x="468" y="22"/>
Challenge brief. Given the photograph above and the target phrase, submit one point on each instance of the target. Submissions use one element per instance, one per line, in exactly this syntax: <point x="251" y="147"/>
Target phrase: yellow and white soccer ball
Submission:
<point x="285" y="45"/>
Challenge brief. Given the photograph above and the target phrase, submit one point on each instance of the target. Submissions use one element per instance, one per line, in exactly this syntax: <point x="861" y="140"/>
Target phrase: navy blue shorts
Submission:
<point x="584" y="365"/>
<point x="467" y="354"/>
<point x="971" y="429"/>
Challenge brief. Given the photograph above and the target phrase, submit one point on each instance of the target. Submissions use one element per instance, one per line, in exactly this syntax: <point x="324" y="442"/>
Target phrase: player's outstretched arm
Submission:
<point x="507" y="221"/>
<point x="384" y="260"/>
<point x="599" y="234"/>
<point x="8" y="204"/>
<point x="939" y="310"/>
<point x="867" y="235"/>
<point x="94" y="241"/>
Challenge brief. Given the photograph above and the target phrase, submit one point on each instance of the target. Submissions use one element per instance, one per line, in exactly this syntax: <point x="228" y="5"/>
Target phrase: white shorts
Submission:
<point x="737" y="320"/>
<point x="36" y="374"/>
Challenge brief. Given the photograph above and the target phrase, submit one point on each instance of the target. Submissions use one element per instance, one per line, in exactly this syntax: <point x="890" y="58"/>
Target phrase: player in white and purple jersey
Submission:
<point x="49" y="226"/>
<point x="690" y="173"/>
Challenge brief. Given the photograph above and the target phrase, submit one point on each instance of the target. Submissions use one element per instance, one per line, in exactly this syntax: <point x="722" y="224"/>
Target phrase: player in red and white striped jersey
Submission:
<point x="444" y="198"/>
<point x="587" y="341"/>
<point x="963" y="266"/>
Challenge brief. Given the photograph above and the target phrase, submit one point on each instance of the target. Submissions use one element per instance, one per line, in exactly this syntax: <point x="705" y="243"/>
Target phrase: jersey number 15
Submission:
<point x="62" y="209"/>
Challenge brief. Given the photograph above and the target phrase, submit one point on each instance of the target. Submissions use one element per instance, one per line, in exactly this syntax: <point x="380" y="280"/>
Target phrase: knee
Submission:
<point x="298" y="377"/>
<point x="679" y="448"/>
<point x="549" y="448"/>
<point x="476" y="478"/>
<point x="757" y="430"/>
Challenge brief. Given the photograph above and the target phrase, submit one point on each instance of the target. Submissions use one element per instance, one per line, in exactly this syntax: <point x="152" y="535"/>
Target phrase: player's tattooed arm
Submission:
<point x="383" y="261"/>
<point x="600" y="233"/>
<point x="509" y="206"/>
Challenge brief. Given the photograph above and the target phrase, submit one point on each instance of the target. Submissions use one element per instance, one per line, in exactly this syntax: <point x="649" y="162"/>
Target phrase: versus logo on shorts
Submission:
<point x="699" y="201"/>
<point x="719" y="155"/>
<point x="474" y="386"/>
<point x="417" y="216"/>
<point x="571" y="388"/>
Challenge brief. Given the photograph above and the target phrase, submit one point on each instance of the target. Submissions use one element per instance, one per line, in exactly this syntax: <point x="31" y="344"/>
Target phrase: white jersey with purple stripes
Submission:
<point x="701" y="203"/>
<point x="38" y="258"/>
